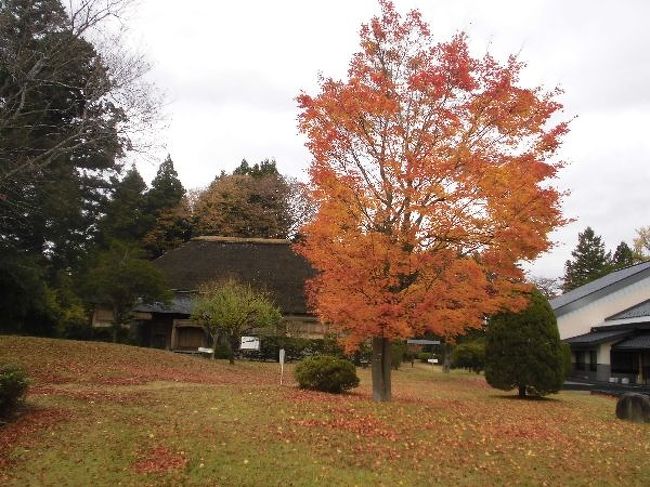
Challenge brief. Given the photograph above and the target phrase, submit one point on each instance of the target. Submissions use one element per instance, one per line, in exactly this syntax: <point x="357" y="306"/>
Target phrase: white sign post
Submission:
<point x="281" y="365"/>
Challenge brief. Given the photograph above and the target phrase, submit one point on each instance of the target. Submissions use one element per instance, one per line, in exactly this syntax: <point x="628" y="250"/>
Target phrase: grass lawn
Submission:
<point x="103" y="414"/>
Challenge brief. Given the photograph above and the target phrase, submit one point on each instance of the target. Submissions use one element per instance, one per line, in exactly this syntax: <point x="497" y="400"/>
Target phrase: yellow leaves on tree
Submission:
<point x="431" y="173"/>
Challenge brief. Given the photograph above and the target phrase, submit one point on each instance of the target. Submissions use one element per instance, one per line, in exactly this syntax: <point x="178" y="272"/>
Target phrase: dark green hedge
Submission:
<point x="294" y="348"/>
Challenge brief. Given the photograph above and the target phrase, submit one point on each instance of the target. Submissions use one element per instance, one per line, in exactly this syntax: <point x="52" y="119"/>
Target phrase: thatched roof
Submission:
<point x="267" y="264"/>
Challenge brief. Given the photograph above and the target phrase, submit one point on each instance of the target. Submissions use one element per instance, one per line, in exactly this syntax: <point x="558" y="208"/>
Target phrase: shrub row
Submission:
<point x="294" y="348"/>
<point x="469" y="356"/>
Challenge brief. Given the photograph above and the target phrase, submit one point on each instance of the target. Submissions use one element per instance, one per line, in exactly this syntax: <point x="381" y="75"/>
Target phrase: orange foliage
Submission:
<point x="431" y="172"/>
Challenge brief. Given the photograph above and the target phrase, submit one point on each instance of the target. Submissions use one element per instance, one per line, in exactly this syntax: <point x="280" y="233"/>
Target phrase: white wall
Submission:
<point x="581" y="320"/>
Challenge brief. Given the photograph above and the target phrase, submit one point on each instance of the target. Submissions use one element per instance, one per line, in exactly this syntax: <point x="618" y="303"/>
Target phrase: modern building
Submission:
<point x="607" y="324"/>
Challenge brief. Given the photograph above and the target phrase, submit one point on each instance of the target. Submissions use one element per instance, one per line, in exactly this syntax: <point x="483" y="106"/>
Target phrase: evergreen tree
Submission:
<point x="167" y="206"/>
<point x="172" y="228"/>
<point x="166" y="191"/>
<point x="59" y="134"/>
<point x="623" y="256"/>
<point x="267" y="167"/>
<point x="590" y="261"/>
<point x="126" y="216"/>
<point x="119" y="277"/>
<point x="524" y="350"/>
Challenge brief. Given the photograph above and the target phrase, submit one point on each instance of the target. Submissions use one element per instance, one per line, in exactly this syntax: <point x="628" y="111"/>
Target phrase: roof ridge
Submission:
<point x="599" y="284"/>
<point x="257" y="240"/>
<point x="627" y="310"/>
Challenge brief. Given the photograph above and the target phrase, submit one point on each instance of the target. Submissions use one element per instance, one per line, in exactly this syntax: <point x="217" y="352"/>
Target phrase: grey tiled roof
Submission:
<point x="639" y="311"/>
<point x="599" y="284"/>
<point x="181" y="303"/>
<point x="640" y="342"/>
<point x="596" y="337"/>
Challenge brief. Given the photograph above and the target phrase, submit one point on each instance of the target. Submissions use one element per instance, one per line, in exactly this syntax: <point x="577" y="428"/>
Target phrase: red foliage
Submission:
<point x="160" y="460"/>
<point x="25" y="427"/>
<point x="431" y="172"/>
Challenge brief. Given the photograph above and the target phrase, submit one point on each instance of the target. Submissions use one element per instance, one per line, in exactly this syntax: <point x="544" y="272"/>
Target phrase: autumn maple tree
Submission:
<point x="431" y="173"/>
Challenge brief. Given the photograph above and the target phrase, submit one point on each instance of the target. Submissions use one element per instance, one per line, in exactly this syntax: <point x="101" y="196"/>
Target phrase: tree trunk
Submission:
<point x="214" y="345"/>
<point x="116" y="324"/>
<point x="381" y="369"/>
<point x="446" y="358"/>
<point x="522" y="391"/>
<point x="232" y="342"/>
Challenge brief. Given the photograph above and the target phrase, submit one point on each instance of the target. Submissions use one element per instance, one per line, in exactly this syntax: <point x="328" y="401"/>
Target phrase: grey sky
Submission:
<point x="232" y="70"/>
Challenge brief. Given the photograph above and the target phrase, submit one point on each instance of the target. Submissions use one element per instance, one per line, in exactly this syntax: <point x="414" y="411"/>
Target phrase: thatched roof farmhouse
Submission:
<point x="266" y="264"/>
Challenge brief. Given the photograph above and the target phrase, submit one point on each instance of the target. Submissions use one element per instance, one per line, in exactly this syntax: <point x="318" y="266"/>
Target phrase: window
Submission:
<point x="625" y="362"/>
<point x="593" y="360"/>
<point x="580" y="360"/>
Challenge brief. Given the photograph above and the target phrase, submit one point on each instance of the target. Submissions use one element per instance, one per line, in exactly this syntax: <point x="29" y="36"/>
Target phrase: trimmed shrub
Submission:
<point x="13" y="388"/>
<point x="469" y="356"/>
<point x="566" y="359"/>
<point x="326" y="373"/>
<point x="524" y="350"/>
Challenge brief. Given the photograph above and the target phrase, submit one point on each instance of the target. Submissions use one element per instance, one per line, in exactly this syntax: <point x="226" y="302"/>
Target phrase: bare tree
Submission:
<point x="68" y="85"/>
<point x="550" y="287"/>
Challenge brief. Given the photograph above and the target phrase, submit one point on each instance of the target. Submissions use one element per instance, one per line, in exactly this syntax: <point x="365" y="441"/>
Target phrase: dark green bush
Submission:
<point x="221" y="351"/>
<point x="13" y="387"/>
<point x="294" y="348"/>
<point x="362" y="357"/>
<point x="470" y="356"/>
<point x="326" y="373"/>
<point x="424" y="356"/>
<point x="566" y="359"/>
<point x="524" y="350"/>
<point x="397" y="352"/>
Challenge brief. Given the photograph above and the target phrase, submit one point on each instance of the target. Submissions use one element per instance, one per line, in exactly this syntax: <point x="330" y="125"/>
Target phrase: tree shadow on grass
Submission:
<point x="515" y="397"/>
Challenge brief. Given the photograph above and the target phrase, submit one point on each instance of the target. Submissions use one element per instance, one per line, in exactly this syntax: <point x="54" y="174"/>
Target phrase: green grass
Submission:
<point x="102" y="414"/>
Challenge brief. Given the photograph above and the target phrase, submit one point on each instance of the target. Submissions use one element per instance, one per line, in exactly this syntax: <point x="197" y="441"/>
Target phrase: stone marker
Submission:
<point x="633" y="406"/>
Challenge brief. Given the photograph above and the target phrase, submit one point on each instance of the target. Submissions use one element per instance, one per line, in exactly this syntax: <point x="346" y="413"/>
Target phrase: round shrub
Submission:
<point x="13" y="387"/>
<point x="326" y="373"/>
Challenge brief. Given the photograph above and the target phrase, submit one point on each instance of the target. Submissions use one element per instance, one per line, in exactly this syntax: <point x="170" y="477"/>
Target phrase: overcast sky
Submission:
<point x="232" y="70"/>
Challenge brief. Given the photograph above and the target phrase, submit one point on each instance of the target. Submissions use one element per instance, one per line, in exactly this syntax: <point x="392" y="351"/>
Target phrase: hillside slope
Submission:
<point x="53" y="361"/>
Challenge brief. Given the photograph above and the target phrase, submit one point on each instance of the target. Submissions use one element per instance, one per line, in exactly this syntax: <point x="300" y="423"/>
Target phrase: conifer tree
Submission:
<point x="166" y="191"/>
<point x="169" y="210"/>
<point x="623" y="256"/>
<point x="126" y="217"/>
<point x="524" y="350"/>
<point x="590" y="261"/>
